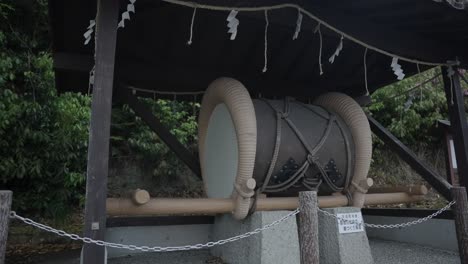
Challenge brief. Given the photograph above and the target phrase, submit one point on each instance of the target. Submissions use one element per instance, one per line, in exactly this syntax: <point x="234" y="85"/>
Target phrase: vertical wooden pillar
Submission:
<point x="461" y="221"/>
<point x="307" y="227"/>
<point x="99" y="132"/>
<point x="5" y="205"/>
<point x="458" y="123"/>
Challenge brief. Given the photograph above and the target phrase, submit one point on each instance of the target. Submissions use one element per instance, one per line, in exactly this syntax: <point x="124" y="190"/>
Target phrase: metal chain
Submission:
<point x="401" y="225"/>
<point x="87" y="240"/>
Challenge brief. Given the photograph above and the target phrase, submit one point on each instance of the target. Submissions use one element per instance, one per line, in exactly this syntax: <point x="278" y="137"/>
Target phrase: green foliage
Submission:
<point x="43" y="136"/>
<point x="43" y="150"/>
<point x="132" y="137"/>
<point x="411" y="115"/>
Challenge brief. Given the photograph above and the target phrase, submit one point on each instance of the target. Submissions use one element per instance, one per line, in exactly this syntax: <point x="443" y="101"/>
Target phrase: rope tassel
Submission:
<point x="189" y="42"/>
<point x="450" y="73"/>
<point x="317" y="29"/>
<point x="365" y="72"/>
<point x="298" y="24"/>
<point x="266" y="42"/>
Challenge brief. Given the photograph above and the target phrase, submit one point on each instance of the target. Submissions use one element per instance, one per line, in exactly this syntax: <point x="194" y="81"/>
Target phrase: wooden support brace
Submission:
<point x="432" y="177"/>
<point x="461" y="221"/>
<point x="5" y="205"/>
<point x="307" y="227"/>
<point x="143" y="111"/>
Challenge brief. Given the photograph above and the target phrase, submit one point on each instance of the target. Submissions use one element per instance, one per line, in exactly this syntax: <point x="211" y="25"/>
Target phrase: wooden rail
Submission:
<point x="209" y="206"/>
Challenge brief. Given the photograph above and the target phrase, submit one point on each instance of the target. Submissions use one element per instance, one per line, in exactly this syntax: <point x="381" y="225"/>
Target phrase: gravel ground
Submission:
<point x="185" y="257"/>
<point x="192" y="257"/>
<point x="388" y="252"/>
<point x="384" y="252"/>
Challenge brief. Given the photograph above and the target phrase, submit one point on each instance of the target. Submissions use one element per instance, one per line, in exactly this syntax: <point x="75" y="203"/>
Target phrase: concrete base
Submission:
<point x="104" y="261"/>
<point x="436" y="233"/>
<point x="277" y="245"/>
<point x="336" y="248"/>
<point x="175" y="235"/>
<point x="281" y="244"/>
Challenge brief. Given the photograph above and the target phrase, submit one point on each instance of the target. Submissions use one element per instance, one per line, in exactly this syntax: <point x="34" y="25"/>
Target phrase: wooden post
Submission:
<point x="99" y="132"/>
<point x="307" y="227"/>
<point x="458" y="123"/>
<point x="5" y="205"/>
<point x="460" y="210"/>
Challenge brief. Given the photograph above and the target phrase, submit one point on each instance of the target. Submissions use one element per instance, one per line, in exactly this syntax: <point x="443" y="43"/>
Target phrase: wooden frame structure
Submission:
<point x="105" y="81"/>
<point x="99" y="132"/>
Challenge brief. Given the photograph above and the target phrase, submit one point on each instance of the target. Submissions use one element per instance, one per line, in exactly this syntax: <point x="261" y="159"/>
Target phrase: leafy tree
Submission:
<point x="44" y="135"/>
<point x="410" y="109"/>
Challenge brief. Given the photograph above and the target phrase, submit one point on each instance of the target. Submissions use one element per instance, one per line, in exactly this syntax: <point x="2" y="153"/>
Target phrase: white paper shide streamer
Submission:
<point x="337" y="51"/>
<point x="298" y="24"/>
<point x="397" y="69"/>
<point x="126" y="14"/>
<point x="89" y="32"/>
<point x="233" y="23"/>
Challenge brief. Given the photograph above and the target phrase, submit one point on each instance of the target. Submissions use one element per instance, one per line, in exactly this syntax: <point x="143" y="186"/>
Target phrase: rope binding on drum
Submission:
<point x="311" y="158"/>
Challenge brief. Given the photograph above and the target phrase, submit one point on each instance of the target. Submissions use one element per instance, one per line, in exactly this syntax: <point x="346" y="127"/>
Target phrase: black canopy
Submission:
<point x="152" y="51"/>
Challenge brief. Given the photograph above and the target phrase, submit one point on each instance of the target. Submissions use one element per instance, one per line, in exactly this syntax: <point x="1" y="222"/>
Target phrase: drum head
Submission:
<point x="227" y="142"/>
<point x="221" y="154"/>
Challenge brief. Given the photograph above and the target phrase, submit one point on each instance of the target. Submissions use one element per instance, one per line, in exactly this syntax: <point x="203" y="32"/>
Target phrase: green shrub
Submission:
<point x="411" y="115"/>
<point x="43" y="136"/>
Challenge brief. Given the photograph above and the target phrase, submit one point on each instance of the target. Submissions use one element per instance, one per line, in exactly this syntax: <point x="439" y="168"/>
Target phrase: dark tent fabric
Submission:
<point x="152" y="51"/>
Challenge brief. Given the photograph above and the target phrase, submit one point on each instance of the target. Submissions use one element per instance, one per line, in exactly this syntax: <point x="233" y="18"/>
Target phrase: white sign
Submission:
<point x="454" y="158"/>
<point x="350" y="222"/>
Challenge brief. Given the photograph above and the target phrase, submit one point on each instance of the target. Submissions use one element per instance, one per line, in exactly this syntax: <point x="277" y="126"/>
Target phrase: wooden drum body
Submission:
<point x="280" y="147"/>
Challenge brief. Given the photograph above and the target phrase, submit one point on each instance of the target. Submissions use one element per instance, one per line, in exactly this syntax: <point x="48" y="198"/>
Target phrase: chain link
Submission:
<point x="401" y="225"/>
<point x="87" y="240"/>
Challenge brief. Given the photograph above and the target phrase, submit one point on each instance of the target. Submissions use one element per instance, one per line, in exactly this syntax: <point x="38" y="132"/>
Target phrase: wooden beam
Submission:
<point x="5" y="205"/>
<point x="458" y="123"/>
<point x="434" y="179"/>
<point x="144" y="111"/>
<point x="99" y="132"/>
<point x="461" y="221"/>
<point x="214" y="206"/>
